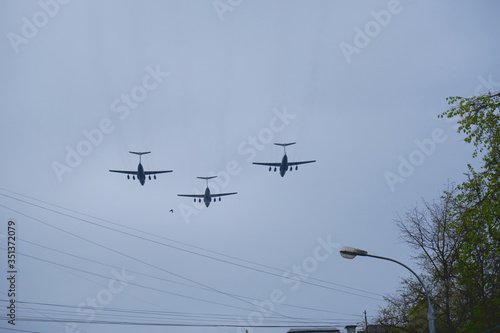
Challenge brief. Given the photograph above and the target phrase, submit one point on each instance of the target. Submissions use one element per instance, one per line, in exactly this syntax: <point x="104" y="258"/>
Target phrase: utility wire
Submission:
<point x="175" y="282"/>
<point x="135" y="259"/>
<point x="195" y="253"/>
<point x="164" y="315"/>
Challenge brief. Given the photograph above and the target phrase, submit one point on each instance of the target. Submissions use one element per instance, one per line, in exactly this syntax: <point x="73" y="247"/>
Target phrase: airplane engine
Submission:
<point x="199" y="200"/>
<point x="220" y="198"/>
<point x="149" y="177"/>
<point x="274" y="169"/>
<point x="128" y="176"/>
<point x="133" y="177"/>
<point x="296" y="167"/>
<point x="194" y="199"/>
<point x="154" y="176"/>
<point x="269" y="168"/>
<point x="291" y="168"/>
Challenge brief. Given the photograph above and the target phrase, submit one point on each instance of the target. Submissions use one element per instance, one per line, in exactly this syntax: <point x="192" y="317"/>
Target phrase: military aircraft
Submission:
<point x="207" y="197"/>
<point x="284" y="161"/>
<point x="140" y="173"/>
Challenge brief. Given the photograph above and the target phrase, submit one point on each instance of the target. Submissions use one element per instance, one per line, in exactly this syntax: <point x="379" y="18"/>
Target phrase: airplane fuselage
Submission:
<point x="207" y="198"/>
<point x="140" y="174"/>
<point x="284" y="165"/>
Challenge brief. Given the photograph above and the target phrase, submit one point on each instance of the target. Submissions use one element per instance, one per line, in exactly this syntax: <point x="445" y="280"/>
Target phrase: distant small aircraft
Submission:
<point x="284" y="162"/>
<point x="207" y="197"/>
<point x="140" y="173"/>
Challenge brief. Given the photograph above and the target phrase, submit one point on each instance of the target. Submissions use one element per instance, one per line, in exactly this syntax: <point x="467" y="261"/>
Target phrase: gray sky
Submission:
<point x="208" y="86"/>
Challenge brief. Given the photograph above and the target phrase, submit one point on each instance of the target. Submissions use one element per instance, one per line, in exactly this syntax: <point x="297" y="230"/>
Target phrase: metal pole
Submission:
<point x="431" y="315"/>
<point x="366" y="323"/>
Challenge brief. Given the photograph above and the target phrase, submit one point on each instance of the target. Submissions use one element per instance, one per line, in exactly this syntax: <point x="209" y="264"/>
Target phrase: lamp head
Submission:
<point x="351" y="252"/>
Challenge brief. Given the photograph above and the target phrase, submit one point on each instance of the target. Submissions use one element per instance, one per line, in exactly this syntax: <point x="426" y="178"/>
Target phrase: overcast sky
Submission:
<point x="208" y="87"/>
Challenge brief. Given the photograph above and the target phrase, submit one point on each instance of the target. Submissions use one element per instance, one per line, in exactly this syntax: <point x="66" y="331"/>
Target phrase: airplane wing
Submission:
<point x="269" y="164"/>
<point x="222" y="194"/>
<point x="191" y="195"/>
<point x="297" y="163"/>
<point x="127" y="172"/>
<point x="156" y="172"/>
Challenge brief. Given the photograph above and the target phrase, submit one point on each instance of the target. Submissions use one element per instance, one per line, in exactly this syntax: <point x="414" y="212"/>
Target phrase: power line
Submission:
<point x="138" y="260"/>
<point x="192" y="252"/>
<point x="149" y="264"/>
<point x="172" y="324"/>
<point x="192" y="317"/>
<point x="134" y="284"/>
<point x="175" y="282"/>
<point x="16" y="330"/>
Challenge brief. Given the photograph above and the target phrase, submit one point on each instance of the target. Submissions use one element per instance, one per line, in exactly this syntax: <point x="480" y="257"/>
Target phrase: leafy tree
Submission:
<point x="407" y="309"/>
<point x="436" y="246"/>
<point x="478" y="210"/>
<point x="457" y="240"/>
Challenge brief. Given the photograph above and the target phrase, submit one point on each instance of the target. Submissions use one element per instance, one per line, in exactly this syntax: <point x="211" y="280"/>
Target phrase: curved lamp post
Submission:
<point x="351" y="253"/>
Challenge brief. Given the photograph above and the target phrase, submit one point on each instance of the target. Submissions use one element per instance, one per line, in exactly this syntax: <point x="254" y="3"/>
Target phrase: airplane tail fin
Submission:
<point x="139" y="153"/>
<point x="207" y="178"/>
<point x="285" y="144"/>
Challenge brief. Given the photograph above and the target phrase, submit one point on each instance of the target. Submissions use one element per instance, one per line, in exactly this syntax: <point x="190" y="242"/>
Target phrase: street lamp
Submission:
<point x="351" y="253"/>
